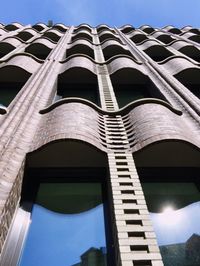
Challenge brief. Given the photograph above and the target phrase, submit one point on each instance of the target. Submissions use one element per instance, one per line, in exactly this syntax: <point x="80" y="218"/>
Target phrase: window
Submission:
<point x="8" y="92"/>
<point x="127" y="93"/>
<point x="80" y="49"/>
<point x="130" y="85"/>
<point x="78" y="82"/>
<point x="12" y="79"/>
<point x="68" y="225"/>
<point x="84" y="91"/>
<point x="174" y="207"/>
<point x="190" y="78"/>
<point x="38" y="50"/>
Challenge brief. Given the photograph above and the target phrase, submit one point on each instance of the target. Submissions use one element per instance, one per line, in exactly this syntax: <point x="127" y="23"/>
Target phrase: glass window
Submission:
<point x="175" y="213"/>
<point x="8" y="92"/>
<point x="67" y="227"/>
<point x="85" y="91"/>
<point x="128" y="93"/>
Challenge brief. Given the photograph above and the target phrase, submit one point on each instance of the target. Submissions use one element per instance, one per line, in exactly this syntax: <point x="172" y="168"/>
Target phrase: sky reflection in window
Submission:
<point x="67" y="239"/>
<point x="177" y="226"/>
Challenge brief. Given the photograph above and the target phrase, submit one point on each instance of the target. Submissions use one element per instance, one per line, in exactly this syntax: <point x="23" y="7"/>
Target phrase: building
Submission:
<point x="99" y="145"/>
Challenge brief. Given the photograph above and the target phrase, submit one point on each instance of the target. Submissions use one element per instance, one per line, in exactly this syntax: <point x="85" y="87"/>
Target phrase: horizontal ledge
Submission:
<point x="121" y="111"/>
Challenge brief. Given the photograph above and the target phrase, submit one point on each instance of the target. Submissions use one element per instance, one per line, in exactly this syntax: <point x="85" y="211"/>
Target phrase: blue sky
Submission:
<point x="60" y="239"/>
<point x="157" y="13"/>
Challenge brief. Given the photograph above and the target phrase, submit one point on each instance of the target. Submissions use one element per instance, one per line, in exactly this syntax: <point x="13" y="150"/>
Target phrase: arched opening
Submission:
<point x="148" y="29"/>
<point x="113" y="50"/>
<point x="25" y="36"/>
<point x="78" y="82"/>
<point x="60" y="27"/>
<point x="82" y="35"/>
<point x="169" y="173"/>
<point x="190" y="78"/>
<point x="168" y="153"/>
<point x="175" y="31"/>
<point x="38" y="27"/>
<point x="80" y="49"/>
<point x="127" y="29"/>
<point x="5" y="48"/>
<point x="102" y="28"/>
<point x="12" y="79"/>
<point x="107" y="36"/>
<point x="138" y="38"/>
<point x="158" y="52"/>
<point x="84" y="26"/>
<point x="195" y="38"/>
<point x="192" y="52"/>
<point x="39" y="50"/>
<point x="106" y="31"/>
<point x="11" y="27"/>
<point x="67" y="153"/>
<point x="81" y="28"/>
<point x="195" y="31"/>
<point x="52" y="36"/>
<point x="165" y="38"/>
<point x="130" y="85"/>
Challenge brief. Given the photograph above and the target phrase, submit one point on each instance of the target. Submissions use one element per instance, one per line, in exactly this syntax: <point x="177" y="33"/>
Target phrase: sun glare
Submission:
<point x="168" y="210"/>
<point x="170" y="216"/>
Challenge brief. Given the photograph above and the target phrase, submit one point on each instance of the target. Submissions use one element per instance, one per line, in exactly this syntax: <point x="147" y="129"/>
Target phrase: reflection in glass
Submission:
<point x="176" y="221"/>
<point x="67" y="227"/>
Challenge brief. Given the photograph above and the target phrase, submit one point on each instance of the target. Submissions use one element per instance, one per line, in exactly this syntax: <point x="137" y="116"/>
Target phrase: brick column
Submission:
<point x="21" y="122"/>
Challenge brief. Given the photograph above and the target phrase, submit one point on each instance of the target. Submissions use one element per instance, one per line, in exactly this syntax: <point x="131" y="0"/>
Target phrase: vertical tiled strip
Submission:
<point x="106" y="92"/>
<point x="115" y="133"/>
<point x="135" y="235"/>
<point x="135" y="241"/>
